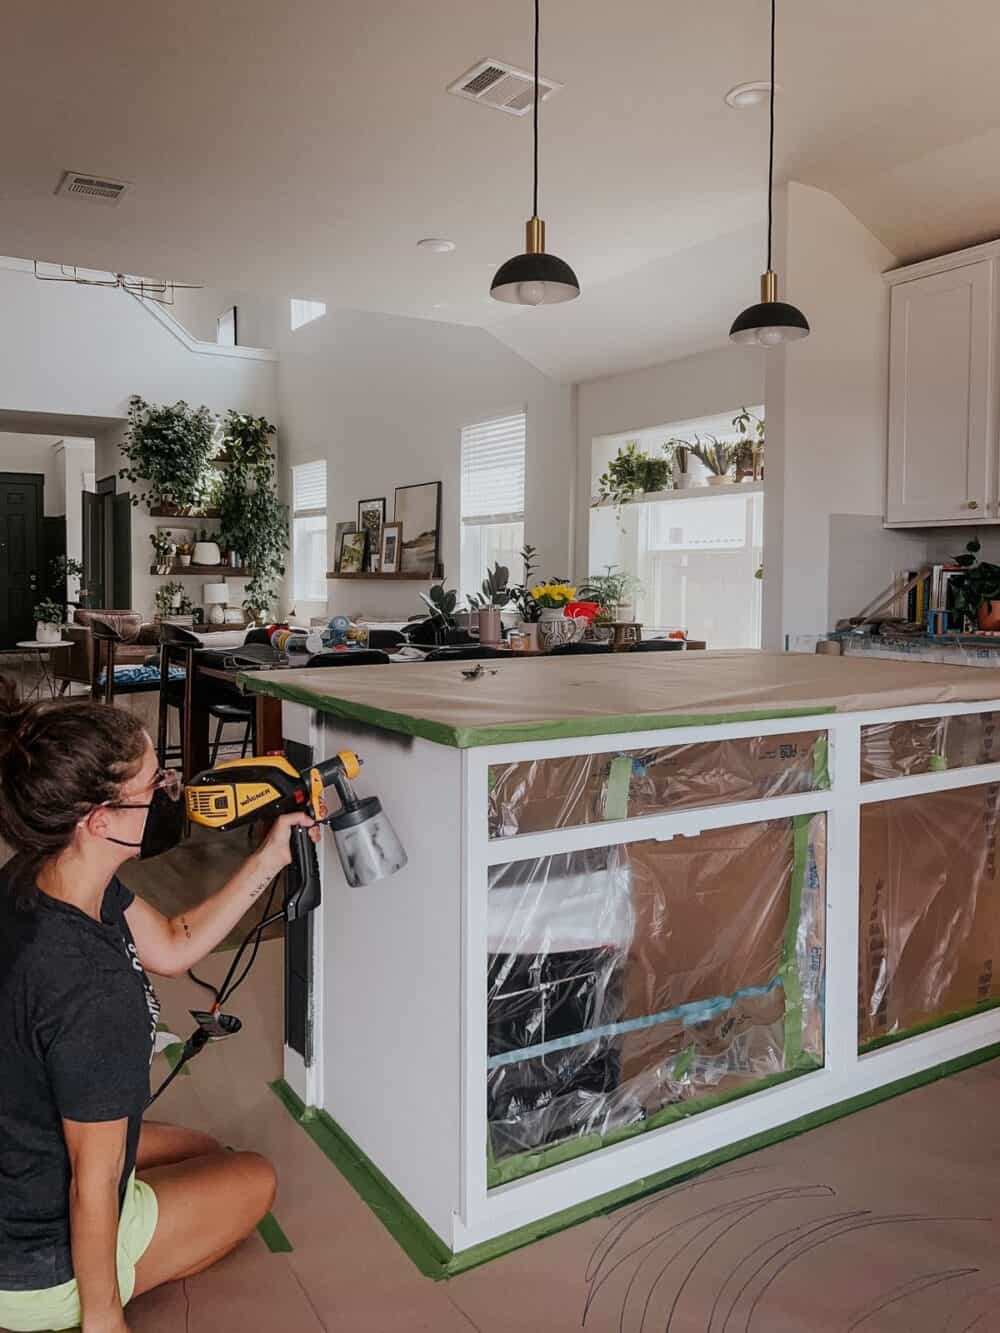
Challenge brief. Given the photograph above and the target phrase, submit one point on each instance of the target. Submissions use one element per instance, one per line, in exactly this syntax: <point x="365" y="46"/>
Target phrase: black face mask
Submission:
<point x="164" y="824"/>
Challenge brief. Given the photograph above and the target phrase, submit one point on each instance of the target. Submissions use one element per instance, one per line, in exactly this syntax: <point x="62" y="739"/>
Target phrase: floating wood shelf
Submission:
<point x="375" y="578"/>
<point x="185" y="518"/>
<point x="202" y="570"/>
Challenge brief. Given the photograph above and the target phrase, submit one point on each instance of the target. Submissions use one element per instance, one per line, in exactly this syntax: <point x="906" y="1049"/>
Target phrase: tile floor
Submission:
<point x="885" y="1222"/>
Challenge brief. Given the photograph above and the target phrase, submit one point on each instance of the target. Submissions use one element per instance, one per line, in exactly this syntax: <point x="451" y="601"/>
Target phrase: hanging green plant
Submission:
<point x="169" y="450"/>
<point x="254" y="521"/>
<point x="631" y="472"/>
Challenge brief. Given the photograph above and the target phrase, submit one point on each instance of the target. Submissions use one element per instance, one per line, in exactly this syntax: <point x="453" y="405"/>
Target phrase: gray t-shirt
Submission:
<point x="77" y="1023"/>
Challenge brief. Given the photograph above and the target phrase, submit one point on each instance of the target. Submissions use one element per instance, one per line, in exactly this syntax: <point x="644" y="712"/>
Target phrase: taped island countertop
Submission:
<point x="549" y="697"/>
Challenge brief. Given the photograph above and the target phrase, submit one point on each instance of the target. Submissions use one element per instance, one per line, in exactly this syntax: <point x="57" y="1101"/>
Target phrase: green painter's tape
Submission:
<point x="891" y="1038"/>
<point x="465" y="738"/>
<point x="790" y="980"/>
<point x="438" y="1262"/>
<point x="172" y="1055"/>
<point x="273" y="1236"/>
<point x="938" y="763"/>
<point x="528" y="1163"/>
<point x="821" y="764"/>
<point x="619" y="782"/>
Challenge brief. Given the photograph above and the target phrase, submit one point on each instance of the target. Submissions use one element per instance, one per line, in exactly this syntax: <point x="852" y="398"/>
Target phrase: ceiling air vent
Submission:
<point x="98" y="189"/>
<point x="502" y="86"/>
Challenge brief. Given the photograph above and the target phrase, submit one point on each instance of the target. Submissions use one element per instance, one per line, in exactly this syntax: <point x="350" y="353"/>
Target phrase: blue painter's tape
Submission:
<point x="697" y="1011"/>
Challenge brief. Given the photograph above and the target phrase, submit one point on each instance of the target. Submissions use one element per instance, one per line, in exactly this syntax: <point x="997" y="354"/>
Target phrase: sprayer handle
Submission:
<point x="302" y="885"/>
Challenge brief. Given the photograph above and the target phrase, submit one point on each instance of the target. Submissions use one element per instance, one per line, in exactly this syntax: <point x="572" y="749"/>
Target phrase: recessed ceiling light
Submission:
<point x="438" y="245"/>
<point x="746" y="95"/>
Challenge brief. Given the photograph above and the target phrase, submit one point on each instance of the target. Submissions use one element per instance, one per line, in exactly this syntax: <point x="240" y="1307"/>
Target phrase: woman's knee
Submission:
<point x="258" y="1182"/>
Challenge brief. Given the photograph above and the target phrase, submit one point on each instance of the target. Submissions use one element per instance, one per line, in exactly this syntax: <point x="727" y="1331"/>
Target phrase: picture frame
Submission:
<point x="234" y="615"/>
<point x="338" y="539"/>
<point x="179" y="536"/>
<point x="371" y="519"/>
<point x="226" y="328"/>
<point x="418" y="508"/>
<point x="392" y="542"/>
<point x="353" y="550"/>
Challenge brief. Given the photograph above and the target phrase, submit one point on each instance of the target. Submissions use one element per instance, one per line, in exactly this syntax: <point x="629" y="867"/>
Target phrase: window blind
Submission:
<point x="493" y="470"/>
<point x="309" y="488"/>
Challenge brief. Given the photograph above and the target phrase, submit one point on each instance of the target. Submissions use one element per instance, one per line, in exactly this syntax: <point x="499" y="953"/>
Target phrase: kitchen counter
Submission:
<point x="657" y="910"/>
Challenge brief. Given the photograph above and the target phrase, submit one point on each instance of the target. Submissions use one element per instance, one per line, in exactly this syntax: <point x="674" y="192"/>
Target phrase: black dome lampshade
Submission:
<point x="535" y="278"/>
<point x="771" y="321"/>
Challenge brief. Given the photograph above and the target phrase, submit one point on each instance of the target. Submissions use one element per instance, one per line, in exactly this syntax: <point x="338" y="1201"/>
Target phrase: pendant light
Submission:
<point x="771" y="321"/>
<point x="535" y="278"/>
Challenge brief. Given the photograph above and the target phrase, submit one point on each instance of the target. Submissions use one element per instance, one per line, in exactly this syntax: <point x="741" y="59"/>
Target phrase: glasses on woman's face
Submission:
<point x="167" y="780"/>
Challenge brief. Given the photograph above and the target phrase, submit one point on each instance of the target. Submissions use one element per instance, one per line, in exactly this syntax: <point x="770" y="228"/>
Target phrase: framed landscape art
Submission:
<point x="418" y="508"/>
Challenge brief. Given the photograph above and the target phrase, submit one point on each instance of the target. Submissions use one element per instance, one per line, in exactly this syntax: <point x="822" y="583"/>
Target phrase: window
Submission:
<point x="304" y="312"/>
<point x="309" y="532"/>
<point x="493" y="461"/>
<point x="696" y="552"/>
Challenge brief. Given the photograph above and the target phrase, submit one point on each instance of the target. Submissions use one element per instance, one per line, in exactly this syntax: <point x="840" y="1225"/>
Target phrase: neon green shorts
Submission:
<point x="59" y="1307"/>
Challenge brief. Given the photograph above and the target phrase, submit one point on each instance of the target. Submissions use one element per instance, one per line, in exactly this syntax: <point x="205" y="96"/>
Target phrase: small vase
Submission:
<point x="555" y="627"/>
<point x="489" y="625"/>
<point x="207" y="553"/>
<point x="46" y="632"/>
<point x="530" y="631"/>
<point x="185" y="561"/>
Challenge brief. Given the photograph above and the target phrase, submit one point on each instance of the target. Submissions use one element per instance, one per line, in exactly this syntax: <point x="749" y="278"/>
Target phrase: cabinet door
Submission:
<point x="941" y="427"/>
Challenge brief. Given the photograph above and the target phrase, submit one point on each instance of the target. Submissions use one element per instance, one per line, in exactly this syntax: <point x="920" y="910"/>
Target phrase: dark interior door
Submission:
<point x="93" y="551"/>
<point x="20" y="551"/>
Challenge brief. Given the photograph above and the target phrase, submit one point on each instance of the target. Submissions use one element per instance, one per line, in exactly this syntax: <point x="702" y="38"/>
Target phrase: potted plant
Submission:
<point x="168" y="599"/>
<point x="614" y="592"/>
<point x="48" y="622"/>
<point x="495" y="594"/>
<point x="976" y="589"/>
<point x="633" y="472"/>
<point x="525" y="607"/>
<point x="184" y="553"/>
<point x="750" y="445"/>
<point x="441" y="603"/>
<point x="254" y="521"/>
<point x="163" y="552"/>
<point x="169" y="450"/>
<point x="718" y="458"/>
<point x="554" y="626"/>
<point x="64" y="568"/>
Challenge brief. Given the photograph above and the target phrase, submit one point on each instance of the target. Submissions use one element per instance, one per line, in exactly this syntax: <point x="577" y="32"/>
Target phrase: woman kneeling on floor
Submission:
<point x="97" y="1206"/>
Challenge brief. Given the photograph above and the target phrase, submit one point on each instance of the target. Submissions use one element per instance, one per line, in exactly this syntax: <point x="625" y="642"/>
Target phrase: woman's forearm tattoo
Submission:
<point x="185" y="927"/>
<point x="259" y="888"/>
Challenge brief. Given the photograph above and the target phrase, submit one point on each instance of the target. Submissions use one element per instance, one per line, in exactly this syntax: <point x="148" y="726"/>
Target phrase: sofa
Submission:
<point x="77" y="665"/>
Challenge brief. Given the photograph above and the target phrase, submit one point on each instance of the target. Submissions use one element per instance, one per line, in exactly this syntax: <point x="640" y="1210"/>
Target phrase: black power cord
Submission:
<point x="201" y="1036"/>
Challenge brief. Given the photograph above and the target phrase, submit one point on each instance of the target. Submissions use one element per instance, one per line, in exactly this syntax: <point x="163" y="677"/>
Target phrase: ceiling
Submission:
<point x="302" y="148"/>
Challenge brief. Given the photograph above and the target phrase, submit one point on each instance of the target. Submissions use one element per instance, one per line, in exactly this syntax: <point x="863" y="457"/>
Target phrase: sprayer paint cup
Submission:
<point x="367" y="844"/>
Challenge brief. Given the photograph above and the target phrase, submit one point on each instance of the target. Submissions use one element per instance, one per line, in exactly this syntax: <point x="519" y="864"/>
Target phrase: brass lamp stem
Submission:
<point x="534" y="236"/>
<point x="769" y="286"/>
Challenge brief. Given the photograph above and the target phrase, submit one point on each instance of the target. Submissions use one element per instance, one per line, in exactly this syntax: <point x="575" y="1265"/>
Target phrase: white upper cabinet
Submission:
<point x="942" y="465"/>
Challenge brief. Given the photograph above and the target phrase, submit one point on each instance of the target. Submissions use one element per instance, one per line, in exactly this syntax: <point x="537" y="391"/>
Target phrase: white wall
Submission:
<point x="384" y="399"/>
<point x="826" y="402"/>
<point x="82" y="351"/>
<point x="258" y="315"/>
<point x="36" y="453"/>
<point x="719" y="381"/>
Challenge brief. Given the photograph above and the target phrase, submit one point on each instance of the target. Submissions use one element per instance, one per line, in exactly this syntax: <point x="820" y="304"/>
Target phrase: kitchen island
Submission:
<point x="658" y="910"/>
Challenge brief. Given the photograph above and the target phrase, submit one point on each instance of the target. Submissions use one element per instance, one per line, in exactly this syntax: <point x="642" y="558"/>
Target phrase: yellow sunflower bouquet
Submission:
<point x="553" y="596"/>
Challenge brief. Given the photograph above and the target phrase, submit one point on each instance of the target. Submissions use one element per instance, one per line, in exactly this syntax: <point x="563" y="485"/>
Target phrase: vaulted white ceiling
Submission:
<point x="304" y="147"/>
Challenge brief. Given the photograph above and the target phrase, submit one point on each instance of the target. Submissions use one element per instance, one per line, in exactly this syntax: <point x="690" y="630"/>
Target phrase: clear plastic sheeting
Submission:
<point x="631" y="985"/>
<point x="930" y="911"/>
<point x="928" y="745"/>
<point x="534" y="796"/>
